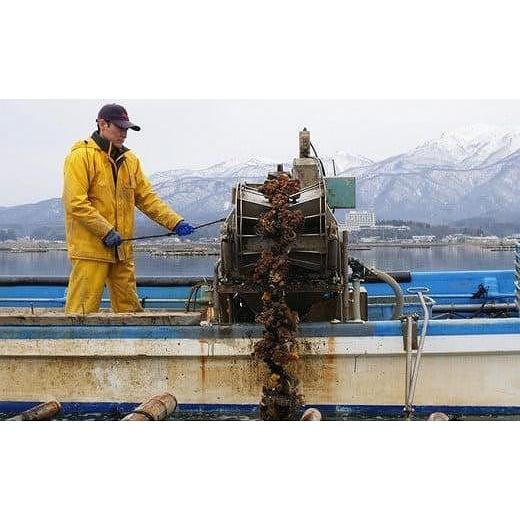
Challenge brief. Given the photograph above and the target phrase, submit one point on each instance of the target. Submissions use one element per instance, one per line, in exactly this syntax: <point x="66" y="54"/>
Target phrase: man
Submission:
<point x="103" y="182"/>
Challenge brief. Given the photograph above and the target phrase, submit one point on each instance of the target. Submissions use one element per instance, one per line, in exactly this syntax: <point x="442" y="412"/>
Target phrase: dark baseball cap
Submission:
<point x="118" y="115"/>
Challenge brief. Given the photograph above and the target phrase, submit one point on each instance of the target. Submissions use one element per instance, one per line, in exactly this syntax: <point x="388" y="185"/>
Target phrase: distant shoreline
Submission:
<point x="166" y="248"/>
<point x="169" y="248"/>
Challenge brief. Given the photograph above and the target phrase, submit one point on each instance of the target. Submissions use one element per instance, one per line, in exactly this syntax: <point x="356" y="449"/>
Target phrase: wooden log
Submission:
<point x="311" y="414"/>
<point x="157" y="408"/>
<point x="42" y="412"/>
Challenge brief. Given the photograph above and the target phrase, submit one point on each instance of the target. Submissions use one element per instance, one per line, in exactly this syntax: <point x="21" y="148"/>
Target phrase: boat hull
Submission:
<point x="470" y="366"/>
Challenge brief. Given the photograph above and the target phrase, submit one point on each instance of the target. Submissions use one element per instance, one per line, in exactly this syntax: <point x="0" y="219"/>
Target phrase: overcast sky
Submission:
<point x="38" y="134"/>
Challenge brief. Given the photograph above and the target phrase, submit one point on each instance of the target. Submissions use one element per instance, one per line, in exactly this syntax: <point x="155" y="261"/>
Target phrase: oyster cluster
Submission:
<point x="279" y="347"/>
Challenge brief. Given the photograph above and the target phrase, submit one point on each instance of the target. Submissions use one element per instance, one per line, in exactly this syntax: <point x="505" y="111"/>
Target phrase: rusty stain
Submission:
<point x="203" y="371"/>
<point x="88" y="377"/>
<point x="202" y="358"/>
<point x="331" y="345"/>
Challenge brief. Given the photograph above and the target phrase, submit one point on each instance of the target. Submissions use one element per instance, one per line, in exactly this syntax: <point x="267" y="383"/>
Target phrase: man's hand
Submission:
<point x="183" y="228"/>
<point x="112" y="239"/>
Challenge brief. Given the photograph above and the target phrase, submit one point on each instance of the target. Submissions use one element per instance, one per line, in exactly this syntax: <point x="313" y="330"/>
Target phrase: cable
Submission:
<point x="319" y="160"/>
<point x="173" y="232"/>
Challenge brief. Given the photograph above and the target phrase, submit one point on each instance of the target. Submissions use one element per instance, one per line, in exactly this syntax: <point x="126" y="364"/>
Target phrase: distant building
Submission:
<point x="455" y="237"/>
<point x="423" y="238"/>
<point x="481" y="239"/>
<point x="360" y="219"/>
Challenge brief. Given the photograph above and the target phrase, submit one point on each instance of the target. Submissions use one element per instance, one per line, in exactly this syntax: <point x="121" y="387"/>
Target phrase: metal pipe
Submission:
<point x="155" y="409"/>
<point x="175" y="281"/>
<point x="474" y="307"/>
<point x="517" y="275"/>
<point x="304" y="143"/>
<point x="142" y="281"/>
<point x="408" y="347"/>
<point x="226" y="257"/>
<point x="42" y="412"/>
<point x="35" y="300"/>
<point x="416" y="365"/>
<point x="356" y="299"/>
<point x="470" y="295"/>
<point x="345" y="311"/>
<point x="216" y="296"/>
<point x="104" y="300"/>
<point x="332" y="255"/>
<point x="311" y="414"/>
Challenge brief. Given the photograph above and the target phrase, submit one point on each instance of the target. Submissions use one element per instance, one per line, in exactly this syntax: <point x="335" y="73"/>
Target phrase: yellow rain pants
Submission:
<point x="88" y="279"/>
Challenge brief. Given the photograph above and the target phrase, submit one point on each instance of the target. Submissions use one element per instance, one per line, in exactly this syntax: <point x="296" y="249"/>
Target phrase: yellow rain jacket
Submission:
<point x="95" y="203"/>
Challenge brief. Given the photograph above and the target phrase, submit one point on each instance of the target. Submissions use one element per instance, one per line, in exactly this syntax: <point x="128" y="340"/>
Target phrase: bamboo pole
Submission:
<point x="157" y="408"/>
<point x="438" y="416"/>
<point x="41" y="412"/>
<point x="311" y="414"/>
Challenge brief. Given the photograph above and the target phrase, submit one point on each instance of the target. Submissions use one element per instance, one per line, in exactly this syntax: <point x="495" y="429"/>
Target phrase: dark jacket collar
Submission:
<point x="105" y="145"/>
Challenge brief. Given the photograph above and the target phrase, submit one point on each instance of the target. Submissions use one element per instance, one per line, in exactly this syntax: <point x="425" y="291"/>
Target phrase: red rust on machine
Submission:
<point x="279" y="347"/>
<point x="41" y="412"/>
<point x="157" y="408"/>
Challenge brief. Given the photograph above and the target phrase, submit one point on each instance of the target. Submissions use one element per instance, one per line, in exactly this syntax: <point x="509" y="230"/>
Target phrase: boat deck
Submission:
<point x="47" y="317"/>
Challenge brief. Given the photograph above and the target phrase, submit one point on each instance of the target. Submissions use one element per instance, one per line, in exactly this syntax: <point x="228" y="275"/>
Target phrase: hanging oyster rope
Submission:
<point x="279" y="346"/>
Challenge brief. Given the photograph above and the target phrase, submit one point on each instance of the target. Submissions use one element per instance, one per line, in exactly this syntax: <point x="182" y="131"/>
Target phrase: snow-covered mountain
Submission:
<point x="469" y="172"/>
<point x="205" y="193"/>
<point x="235" y="168"/>
<point x="252" y="168"/>
<point x="344" y="161"/>
<point x="467" y="147"/>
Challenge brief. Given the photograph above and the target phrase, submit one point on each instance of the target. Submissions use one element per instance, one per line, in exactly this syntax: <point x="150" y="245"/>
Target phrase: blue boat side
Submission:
<point x="456" y="286"/>
<point x="443" y="286"/>
<point x="459" y="327"/>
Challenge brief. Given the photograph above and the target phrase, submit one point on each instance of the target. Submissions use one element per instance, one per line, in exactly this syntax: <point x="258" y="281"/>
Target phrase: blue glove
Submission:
<point x="183" y="228"/>
<point x="112" y="239"/>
